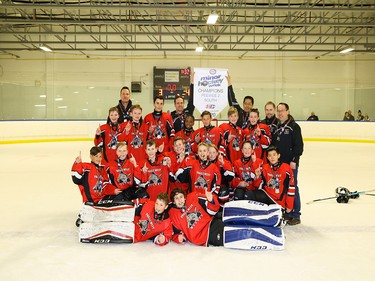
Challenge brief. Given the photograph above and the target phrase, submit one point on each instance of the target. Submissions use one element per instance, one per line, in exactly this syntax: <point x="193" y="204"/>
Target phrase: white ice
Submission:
<point x="39" y="241"/>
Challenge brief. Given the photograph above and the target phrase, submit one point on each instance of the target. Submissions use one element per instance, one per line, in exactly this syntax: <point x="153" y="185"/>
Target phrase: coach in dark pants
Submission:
<point x="288" y="139"/>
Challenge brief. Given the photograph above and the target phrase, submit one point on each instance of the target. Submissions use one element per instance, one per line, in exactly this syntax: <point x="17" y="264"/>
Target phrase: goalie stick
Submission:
<point x="354" y="194"/>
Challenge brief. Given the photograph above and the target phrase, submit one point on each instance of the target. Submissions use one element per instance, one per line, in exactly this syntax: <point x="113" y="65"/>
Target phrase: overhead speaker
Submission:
<point x="136" y="87"/>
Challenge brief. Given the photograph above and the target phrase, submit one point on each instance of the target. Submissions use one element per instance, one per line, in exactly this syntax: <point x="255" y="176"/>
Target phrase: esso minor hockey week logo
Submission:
<point x="212" y="71"/>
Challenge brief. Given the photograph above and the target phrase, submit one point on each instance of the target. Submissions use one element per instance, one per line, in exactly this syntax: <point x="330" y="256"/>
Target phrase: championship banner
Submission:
<point x="210" y="90"/>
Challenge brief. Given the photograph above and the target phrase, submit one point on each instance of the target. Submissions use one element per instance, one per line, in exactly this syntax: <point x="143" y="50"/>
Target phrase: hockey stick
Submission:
<point x="320" y="199"/>
<point x="350" y="195"/>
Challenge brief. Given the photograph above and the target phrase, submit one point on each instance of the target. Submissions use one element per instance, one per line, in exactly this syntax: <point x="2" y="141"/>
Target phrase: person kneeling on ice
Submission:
<point x="130" y="222"/>
<point x="277" y="184"/>
<point x="193" y="219"/>
<point x="152" y="221"/>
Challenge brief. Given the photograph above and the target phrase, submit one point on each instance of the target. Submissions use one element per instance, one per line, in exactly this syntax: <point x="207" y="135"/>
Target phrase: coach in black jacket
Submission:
<point x="288" y="138"/>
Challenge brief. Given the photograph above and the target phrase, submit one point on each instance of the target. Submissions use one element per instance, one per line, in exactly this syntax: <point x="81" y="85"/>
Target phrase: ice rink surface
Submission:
<point x="39" y="240"/>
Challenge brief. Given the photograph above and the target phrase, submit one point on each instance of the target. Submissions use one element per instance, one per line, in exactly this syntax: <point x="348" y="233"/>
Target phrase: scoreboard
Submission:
<point x="171" y="82"/>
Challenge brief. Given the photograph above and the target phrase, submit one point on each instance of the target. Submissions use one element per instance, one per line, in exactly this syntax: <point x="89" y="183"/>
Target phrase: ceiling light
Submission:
<point x="199" y="49"/>
<point x="45" y="48"/>
<point x="212" y="18"/>
<point x="347" y="50"/>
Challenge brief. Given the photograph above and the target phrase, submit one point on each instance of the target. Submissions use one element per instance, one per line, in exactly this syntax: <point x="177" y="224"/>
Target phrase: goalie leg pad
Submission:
<point x="96" y="213"/>
<point x="254" y="238"/>
<point x="106" y="232"/>
<point x="244" y="212"/>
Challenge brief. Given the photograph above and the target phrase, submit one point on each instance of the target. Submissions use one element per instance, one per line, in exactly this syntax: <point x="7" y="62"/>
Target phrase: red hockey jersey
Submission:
<point x="149" y="224"/>
<point x="121" y="175"/>
<point x="245" y="171"/>
<point x="195" y="219"/>
<point x="108" y="139"/>
<point x="200" y="176"/>
<point x="177" y="163"/>
<point x="232" y="148"/>
<point x="210" y="135"/>
<point x="155" y="176"/>
<point x="278" y="183"/>
<point x="162" y="129"/>
<point x="187" y="136"/>
<point x="136" y="139"/>
<point x="90" y="179"/>
<point x="260" y="143"/>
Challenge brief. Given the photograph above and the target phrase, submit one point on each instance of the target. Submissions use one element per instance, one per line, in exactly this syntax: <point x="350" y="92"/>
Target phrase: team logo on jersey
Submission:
<point x="154" y="179"/>
<point x="248" y="176"/>
<point x="158" y="133"/>
<point x="274" y="183"/>
<point x="123" y="178"/>
<point x="254" y="141"/>
<point x="193" y="217"/>
<point x="236" y="144"/>
<point x="136" y="142"/>
<point x="201" y="182"/>
<point x="112" y="144"/>
<point x="143" y="225"/>
<point x="98" y="186"/>
<point x="188" y="147"/>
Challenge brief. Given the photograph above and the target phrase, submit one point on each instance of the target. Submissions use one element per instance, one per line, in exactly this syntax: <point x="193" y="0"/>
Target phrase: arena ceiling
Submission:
<point x="243" y="27"/>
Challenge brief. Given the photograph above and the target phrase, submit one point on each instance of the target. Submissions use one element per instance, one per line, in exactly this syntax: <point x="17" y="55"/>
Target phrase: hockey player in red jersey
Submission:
<point x="258" y="134"/>
<point x="108" y="135"/>
<point x="207" y="134"/>
<point x="187" y="133"/>
<point x="233" y="136"/>
<point x="136" y="134"/>
<point x="247" y="172"/>
<point x="161" y="125"/>
<point x="90" y="177"/>
<point x="193" y="219"/>
<point x="201" y="174"/>
<point x="226" y="172"/>
<point x="152" y="220"/>
<point x="178" y="159"/>
<point x="123" y="177"/>
<point x="154" y="170"/>
<point x="277" y="184"/>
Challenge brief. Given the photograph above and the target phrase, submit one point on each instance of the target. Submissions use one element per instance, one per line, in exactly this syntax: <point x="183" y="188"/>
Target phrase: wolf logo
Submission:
<point x="254" y="141"/>
<point x="248" y="177"/>
<point x="193" y="217"/>
<point x="123" y="178"/>
<point x="143" y="225"/>
<point x="201" y="183"/>
<point x="137" y="142"/>
<point x="112" y="144"/>
<point x="158" y="133"/>
<point x="236" y="143"/>
<point x="154" y="179"/>
<point x="98" y="186"/>
<point x="274" y="183"/>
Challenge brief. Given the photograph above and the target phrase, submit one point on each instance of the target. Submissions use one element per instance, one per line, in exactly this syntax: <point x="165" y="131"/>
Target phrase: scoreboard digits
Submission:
<point x="172" y="82"/>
